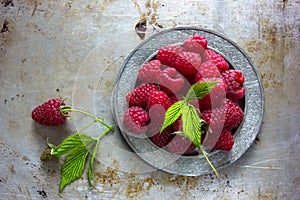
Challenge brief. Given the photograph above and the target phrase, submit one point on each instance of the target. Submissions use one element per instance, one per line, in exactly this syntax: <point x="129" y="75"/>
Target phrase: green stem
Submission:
<point x="105" y="132"/>
<point x="65" y="109"/>
<point x="208" y="161"/>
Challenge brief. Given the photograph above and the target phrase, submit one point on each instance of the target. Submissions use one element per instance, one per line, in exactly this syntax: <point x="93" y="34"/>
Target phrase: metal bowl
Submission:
<point x="253" y="103"/>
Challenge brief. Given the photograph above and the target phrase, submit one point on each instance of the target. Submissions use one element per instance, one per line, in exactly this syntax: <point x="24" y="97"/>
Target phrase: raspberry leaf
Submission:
<point x="192" y="126"/>
<point x="73" y="166"/>
<point x="72" y="143"/>
<point x="200" y="89"/>
<point x="172" y="114"/>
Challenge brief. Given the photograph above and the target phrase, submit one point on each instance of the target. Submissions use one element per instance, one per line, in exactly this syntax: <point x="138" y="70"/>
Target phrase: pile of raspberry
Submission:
<point x="167" y="77"/>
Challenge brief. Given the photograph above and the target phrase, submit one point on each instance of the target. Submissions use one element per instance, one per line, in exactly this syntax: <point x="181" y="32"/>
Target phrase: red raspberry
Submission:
<point x="188" y="63"/>
<point x="234" y="80"/>
<point x="216" y="96"/>
<point x="161" y="139"/>
<point x="157" y="115"/>
<point x="181" y="145"/>
<point x="207" y="70"/>
<point x="220" y="62"/>
<point x="171" y="80"/>
<point x="148" y="73"/>
<point x="167" y="55"/>
<point x="196" y="44"/>
<point x="159" y="97"/>
<point x="49" y="114"/>
<point x="177" y="125"/>
<point x="136" y="119"/>
<point x="139" y="96"/>
<point x="225" y="141"/>
<point x="228" y="116"/>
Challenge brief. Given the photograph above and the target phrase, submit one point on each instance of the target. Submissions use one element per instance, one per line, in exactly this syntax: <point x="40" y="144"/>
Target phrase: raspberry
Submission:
<point x="220" y="62"/>
<point x="167" y="55"/>
<point x="49" y="113"/>
<point x="159" y="97"/>
<point x="207" y="70"/>
<point x="196" y="44"/>
<point x="148" y="73"/>
<point x="136" y="119"/>
<point x="177" y="125"/>
<point x="181" y="145"/>
<point x="234" y="80"/>
<point x="216" y="96"/>
<point x="161" y="139"/>
<point x="171" y="80"/>
<point x="157" y="115"/>
<point x="228" y="116"/>
<point x="225" y="141"/>
<point x="188" y="63"/>
<point x="139" y="96"/>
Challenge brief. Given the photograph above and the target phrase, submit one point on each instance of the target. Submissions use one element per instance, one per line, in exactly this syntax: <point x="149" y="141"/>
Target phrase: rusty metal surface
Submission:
<point x="75" y="48"/>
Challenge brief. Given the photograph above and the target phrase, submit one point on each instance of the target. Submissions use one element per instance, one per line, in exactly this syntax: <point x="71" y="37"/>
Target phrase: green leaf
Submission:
<point x="90" y="168"/>
<point x="72" y="143"/>
<point x="172" y="114"/>
<point x="192" y="127"/>
<point x="73" y="167"/>
<point x="200" y="89"/>
<point x="192" y="124"/>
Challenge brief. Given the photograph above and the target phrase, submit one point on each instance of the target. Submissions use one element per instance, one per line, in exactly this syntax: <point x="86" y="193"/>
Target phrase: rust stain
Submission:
<point x="268" y="53"/>
<point x="140" y="28"/>
<point x="297" y="180"/>
<point x="36" y="3"/>
<point x="109" y="177"/>
<point x="5" y="27"/>
<point x="149" y="17"/>
<point x="12" y="125"/>
<point x="25" y="158"/>
<point x="12" y="169"/>
<point x="8" y="3"/>
<point x="134" y="189"/>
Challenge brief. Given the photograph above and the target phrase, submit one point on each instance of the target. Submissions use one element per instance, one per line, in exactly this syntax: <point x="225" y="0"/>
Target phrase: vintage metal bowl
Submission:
<point x="253" y="103"/>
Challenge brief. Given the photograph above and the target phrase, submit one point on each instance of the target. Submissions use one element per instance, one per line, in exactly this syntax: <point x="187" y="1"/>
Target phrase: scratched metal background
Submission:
<point x="56" y="48"/>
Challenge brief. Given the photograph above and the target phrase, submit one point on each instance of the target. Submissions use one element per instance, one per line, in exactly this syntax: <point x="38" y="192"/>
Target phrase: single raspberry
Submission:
<point x="196" y="44"/>
<point x="170" y="80"/>
<point x="177" y="125"/>
<point x="228" y="116"/>
<point x="157" y="115"/>
<point x="220" y="62"/>
<point x="167" y="55"/>
<point x="225" y="141"/>
<point x="49" y="113"/>
<point x="148" y="73"/>
<point x="136" y="119"/>
<point x="181" y="145"/>
<point x="161" y="139"/>
<point x="139" y="96"/>
<point x="234" y="80"/>
<point x="159" y="97"/>
<point x="207" y="70"/>
<point x="188" y="63"/>
<point x="216" y="96"/>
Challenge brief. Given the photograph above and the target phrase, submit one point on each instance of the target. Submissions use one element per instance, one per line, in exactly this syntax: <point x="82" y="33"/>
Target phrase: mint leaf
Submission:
<point x="172" y="114"/>
<point x="90" y="168"/>
<point x="200" y="89"/>
<point x="73" y="166"/>
<point x="72" y="143"/>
